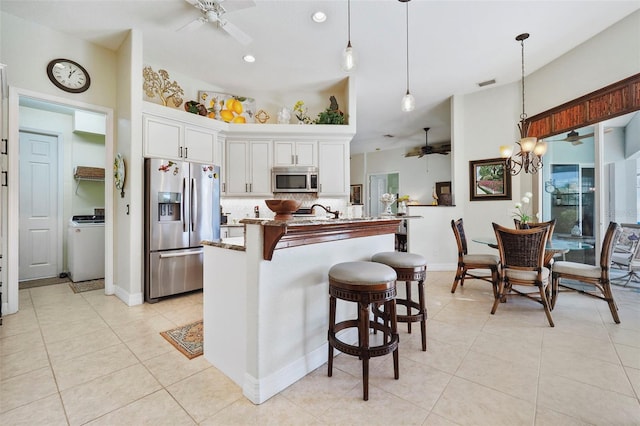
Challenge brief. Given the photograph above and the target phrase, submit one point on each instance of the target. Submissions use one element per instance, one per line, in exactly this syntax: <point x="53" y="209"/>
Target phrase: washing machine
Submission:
<point x="85" y="248"/>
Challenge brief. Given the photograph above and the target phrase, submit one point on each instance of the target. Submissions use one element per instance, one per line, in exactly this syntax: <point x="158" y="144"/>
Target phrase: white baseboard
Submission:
<point x="127" y="298"/>
<point x="260" y="390"/>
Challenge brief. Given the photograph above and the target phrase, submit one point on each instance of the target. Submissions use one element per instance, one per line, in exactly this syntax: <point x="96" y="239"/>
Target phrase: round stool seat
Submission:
<point x="362" y="274"/>
<point x="397" y="259"/>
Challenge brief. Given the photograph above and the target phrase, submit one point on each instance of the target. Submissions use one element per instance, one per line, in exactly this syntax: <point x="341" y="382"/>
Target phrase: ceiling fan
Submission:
<point x="421" y="151"/>
<point x="213" y="11"/>
<point x="575" y="138"/>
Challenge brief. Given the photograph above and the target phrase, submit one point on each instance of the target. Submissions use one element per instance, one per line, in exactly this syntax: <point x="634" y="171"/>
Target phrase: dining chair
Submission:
<point x="595" y="275"/>
<point x="467" y="262"/>
<point x="626" y="254"/>
<point x="549" y="253"/>
<point x="522" y="264"/>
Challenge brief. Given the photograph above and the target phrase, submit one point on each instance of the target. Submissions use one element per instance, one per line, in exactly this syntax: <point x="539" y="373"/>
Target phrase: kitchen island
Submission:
<point x="266" y="302"/>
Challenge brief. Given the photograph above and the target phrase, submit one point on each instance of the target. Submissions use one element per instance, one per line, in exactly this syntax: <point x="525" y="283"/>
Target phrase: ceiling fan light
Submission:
<point x="348" y="58"/>
<point x="540" y="149"/>
<point x="506" y="151"/>
<point x="408" y="103"/>
<point x="527" y="144"/>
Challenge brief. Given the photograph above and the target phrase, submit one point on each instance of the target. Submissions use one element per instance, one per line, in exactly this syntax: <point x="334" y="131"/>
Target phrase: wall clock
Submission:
<point x="68" y="75"/>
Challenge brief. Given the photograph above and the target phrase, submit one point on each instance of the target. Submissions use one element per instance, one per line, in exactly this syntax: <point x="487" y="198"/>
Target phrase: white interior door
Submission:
<point x="38" y="229"/>
<point x="377" y="187"/>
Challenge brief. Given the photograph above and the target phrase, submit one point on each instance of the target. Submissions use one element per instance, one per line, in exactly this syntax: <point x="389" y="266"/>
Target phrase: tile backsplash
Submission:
<point x="237" y="208"/>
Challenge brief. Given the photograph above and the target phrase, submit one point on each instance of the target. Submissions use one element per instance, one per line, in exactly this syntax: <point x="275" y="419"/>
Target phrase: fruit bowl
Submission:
<point x="283" y="209"/>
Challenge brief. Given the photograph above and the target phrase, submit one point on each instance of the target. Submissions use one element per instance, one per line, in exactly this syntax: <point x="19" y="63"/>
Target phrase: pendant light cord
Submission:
<point x="407" y="17"/>
<point x="349" y="22"/>
<point x="523" y="115"/>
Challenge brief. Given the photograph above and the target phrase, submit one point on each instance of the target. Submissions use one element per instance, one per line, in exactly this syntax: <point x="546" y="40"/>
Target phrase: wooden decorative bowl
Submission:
<point x="283" y="209"/>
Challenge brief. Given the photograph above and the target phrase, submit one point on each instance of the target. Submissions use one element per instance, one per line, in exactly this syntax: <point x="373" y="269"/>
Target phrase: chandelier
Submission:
<point x="529" y="155"/>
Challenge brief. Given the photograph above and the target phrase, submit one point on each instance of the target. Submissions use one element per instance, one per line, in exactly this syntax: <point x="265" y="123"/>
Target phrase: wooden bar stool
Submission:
<point x="364" y="283"/>
<point x="409" y="267"/>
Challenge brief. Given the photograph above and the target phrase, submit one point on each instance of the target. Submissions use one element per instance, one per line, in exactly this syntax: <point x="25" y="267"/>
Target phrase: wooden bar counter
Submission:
<point x="266" y="301"/>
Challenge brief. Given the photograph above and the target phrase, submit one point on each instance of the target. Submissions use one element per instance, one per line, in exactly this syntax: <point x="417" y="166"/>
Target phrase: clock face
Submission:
<point x="68" y="75"/>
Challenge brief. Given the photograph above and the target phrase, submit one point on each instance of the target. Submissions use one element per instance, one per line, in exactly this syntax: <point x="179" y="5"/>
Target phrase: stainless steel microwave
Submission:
<point x="294" y="179"/>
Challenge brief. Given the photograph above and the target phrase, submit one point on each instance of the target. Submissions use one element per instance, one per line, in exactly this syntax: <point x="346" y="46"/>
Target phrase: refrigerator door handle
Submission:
<point x="194" y="203"/>
<point x="184" y="223"/>
<point x="181" y="254"/>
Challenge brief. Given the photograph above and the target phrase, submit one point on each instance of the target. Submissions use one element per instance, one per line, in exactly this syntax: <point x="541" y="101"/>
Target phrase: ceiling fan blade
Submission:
<point x="193" y="25"/>
<point x="588" y="135"/>
<point x="235" y="32"/>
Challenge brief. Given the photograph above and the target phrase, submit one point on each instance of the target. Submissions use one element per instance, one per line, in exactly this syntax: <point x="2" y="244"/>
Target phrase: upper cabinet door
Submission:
<point x="198" y="144"/>
<point x="162" y="138"/>
<point x="333" y="168"/>
<point x="295" y="153"/>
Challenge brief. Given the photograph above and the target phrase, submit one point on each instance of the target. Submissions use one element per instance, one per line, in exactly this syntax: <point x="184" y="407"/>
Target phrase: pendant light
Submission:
<point x="348" y="57"/>
<point x="529" y="157"/>
<point x="408" y="102"/>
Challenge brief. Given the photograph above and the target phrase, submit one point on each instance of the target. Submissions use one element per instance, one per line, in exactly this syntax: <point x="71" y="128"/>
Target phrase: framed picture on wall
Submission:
<point x="356" y="194"/>
<point x="489" y="180"/>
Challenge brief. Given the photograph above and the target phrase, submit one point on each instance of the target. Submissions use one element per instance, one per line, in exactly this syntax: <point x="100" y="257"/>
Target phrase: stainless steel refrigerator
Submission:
<point x="182" y="208"/>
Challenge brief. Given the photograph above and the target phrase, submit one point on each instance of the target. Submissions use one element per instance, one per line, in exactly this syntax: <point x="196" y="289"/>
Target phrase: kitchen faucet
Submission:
<point x="326" y="209"/>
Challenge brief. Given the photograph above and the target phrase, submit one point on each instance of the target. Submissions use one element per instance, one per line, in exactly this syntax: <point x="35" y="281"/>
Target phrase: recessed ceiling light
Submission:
<point x="249" y="58"/>
<point x="319" y="17"/>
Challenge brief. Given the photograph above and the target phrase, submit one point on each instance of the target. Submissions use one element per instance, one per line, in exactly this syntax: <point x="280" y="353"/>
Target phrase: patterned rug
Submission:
<point x="187" y="339"/>
<point x="82" y="286"/>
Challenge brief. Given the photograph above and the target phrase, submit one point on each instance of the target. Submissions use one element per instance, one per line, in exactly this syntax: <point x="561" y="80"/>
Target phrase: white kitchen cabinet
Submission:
<point x="227" y="231"/>
<point x="333" y="168"/>
<point x="166" y="138"/>
<point x="248" y="167"/>
<point x="295" y="153"/>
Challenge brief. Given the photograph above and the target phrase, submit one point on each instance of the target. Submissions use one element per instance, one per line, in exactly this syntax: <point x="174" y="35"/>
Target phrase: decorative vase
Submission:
<point x="402" y="208"/>
<point x="387" y="208"/>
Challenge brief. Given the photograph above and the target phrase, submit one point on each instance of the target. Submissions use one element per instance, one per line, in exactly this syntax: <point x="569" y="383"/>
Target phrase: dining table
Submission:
<point x="554" y="247"/>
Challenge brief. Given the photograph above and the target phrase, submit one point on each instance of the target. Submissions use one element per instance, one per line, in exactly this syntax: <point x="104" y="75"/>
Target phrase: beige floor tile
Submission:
<point x="171" y="367"/>
<point x="586" y="402"/>
<point x="56" y="332"/>
<point x="482" y="405"/>
<point x="158" y="408"/>
<point x="87" y="367"/>
<point x="513" y="378"/>
<point x="23" y="321"/>
<point x="353" y="410"/>
<point x="185" y="314"/>
<point x="52" y="315"/>
<point x="591" y="371"/>
<point x="439" y="355"/>
<point x="107" y="393"/>
<point x="524" y="350"/>
<point x="624" y="336"/>
<point x="141" y="328"/>
<point x="436" y="420"/>
<point x="557" y="340"/>
<point x="47" y="411"/>
<point x="276" y="411"/>
<point x="21" y="342"/>
<point x="23" y="362"/>
<point x="353" y="366"/>
<point x="547" y="417"/>
<point x="451" y="333"/>
<point x="26" y="388"/>
<point x="317" y="392"/>
<point x="629" y="355"/>
<point x="206" y="393"/>
<point x="82" y="344"/>
<point x="149" y="346"/>
<point x="634" y="377"/>
<point x="418" y="384"/>
<point x="121" y="314"/>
